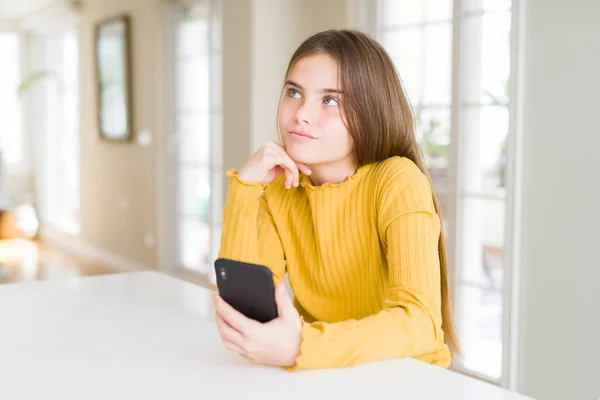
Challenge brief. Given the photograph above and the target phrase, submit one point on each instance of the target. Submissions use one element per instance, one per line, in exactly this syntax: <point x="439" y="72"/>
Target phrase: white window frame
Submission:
<point x="45" y="144"/>
<point x="33" y="30"/>
<point x="168" y="188"/>
<point x="23" y="166"/>
<point x="365" y="16"/>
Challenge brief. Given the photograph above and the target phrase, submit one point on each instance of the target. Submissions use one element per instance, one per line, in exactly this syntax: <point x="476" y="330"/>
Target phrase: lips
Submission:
<point x="302" y="134"/>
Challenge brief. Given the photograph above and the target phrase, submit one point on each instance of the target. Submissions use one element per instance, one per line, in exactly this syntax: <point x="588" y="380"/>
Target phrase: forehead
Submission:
<point x="315" y="72"/>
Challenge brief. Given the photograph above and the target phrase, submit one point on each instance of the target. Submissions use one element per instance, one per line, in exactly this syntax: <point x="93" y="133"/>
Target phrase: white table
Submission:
<point x="149" y="336"/>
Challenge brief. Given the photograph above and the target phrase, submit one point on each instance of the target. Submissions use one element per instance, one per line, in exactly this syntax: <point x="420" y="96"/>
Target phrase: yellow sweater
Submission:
<point x="361" y="256"/>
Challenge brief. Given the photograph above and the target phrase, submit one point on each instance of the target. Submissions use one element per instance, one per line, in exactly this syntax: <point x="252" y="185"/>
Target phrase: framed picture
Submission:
<point x="113" y="66"/>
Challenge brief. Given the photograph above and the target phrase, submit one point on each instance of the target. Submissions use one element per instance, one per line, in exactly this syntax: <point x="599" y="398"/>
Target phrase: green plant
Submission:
<point x="502" y="98"/>
<point x="33" y="79"/>
<point x="429" y="127"/>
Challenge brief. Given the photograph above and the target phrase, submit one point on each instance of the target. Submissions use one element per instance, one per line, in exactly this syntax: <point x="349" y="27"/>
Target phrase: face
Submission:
<point x="311" y="122"/>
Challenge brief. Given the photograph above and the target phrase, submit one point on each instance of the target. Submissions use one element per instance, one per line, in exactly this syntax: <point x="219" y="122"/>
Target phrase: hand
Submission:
<point x="270" y="161"/>
<point x="274" y="343"/>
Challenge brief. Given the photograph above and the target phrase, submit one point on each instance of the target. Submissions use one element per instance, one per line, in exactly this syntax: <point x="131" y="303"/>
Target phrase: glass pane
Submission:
<point x="486" y="58"/>
<point x="438" y="64"/>
<point x="486" y="5"/>
<point x="482" y="246"/>
<point x="194" y="192"/>
<point x="216" y="142"/>
<point x="194" y="240"/>
<point x="69" y="146"/>
<point x="480" y="330"/>
<point x="217" y="182"/>
<point x="11" y="140"/>
<point x="216" y="26"/>
<point x="192" y="38"/>
<point x="193" y="84"/>
<point x="216" y="70"/>
<point x="194" y="138"/>
<point x="404" y="47"/>
<point x="401" y="12"/>
<point x="485" y="131"/>
<point x="439" y="10"/>
<point x="433" y="133"/>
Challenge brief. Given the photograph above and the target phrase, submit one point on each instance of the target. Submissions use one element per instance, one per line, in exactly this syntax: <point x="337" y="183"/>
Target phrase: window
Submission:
<point x="60" y="131"/>
<point x="418" y="37"/>
<point x="197" y="131"/>
<point x="418" y="34"/>
<point x="11" y="137"/>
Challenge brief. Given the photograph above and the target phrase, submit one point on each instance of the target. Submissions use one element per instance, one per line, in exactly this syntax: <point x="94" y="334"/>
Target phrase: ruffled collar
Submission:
<point x="353" y="179"/>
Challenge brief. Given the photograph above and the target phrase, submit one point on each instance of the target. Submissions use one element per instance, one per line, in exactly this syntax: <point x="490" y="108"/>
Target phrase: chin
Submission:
<point x="297" y="154"/>
<point x="300" y="154"/>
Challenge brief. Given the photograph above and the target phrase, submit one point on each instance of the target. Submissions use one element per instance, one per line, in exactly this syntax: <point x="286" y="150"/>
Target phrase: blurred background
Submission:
<point x="118" y="119"/>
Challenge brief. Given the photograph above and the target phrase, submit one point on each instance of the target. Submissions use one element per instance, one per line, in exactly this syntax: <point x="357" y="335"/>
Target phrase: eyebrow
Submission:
<point x="292" y="83"/>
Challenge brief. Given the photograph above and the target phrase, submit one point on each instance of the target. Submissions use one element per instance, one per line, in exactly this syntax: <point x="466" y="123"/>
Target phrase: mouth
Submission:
<point x="302" y="135"/>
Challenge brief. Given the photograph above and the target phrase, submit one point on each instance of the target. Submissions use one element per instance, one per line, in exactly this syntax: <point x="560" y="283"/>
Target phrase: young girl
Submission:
<point x="345" y="207"/>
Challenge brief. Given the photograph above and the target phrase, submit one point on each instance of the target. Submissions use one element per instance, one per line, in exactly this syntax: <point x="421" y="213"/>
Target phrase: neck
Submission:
<point x="333" y="172"/>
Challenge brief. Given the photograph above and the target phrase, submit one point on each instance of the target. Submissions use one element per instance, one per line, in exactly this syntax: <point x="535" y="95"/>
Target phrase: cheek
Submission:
<point x="287" y="110"/>
<point x="338" y="137"/>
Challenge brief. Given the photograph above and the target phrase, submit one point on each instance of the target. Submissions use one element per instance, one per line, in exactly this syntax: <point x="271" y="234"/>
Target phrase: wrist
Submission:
<point x="247" y="176"/>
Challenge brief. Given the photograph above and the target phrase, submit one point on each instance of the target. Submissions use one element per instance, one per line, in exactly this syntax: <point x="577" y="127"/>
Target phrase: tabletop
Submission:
<point x="146" y="335"/>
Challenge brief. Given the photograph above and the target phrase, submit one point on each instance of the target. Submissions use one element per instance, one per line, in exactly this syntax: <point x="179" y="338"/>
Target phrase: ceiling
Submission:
<point x="14" y="9"/>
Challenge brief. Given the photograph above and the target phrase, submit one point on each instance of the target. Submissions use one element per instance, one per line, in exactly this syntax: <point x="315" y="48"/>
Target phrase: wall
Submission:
<point x="259" y="37"/>
<point x="560" y="350"/>
<point x="118" y="204"/>
<point x="294" y="20"/>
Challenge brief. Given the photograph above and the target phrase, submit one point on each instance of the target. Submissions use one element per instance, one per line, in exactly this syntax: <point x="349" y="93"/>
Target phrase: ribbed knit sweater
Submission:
<point x="361" y="256"/>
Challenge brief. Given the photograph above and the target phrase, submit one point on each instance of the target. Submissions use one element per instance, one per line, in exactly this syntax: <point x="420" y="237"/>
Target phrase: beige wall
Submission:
<point x="118" y="205"/>
<point x="259" y="37"/>
<point x="294" y="21"/>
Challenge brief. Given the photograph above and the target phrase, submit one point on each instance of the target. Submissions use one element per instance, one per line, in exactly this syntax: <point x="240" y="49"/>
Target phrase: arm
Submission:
<point x="410" y="323"/>
<point x="249" y="232"/>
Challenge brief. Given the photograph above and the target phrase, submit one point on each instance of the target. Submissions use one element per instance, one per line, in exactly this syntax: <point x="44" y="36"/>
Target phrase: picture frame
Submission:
<point x="112" y="49"/>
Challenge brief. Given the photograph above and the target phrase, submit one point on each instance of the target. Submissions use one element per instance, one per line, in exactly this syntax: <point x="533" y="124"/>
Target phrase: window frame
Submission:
<point x="372" y="24"/>
<point x="169" y="215"/>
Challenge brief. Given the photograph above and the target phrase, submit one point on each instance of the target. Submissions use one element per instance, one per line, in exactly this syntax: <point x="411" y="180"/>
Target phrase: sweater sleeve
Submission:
<point x="410" y="322"/>
<point x="249" y="232"/>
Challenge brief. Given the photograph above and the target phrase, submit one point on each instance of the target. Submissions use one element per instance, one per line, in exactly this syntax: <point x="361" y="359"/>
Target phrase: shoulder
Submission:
<point x="401" y="187"/>
<point x="396" y="174"/>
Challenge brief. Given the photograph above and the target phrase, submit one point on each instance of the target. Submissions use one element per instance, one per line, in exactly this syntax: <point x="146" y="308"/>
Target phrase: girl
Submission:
<point x="345" y="207"/>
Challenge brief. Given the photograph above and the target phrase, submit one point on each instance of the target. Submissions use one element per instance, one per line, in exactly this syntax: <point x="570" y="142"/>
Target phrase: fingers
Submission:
<point x="290" y="167"/>
<point x="301" y="166"/>
<point x="228" y="333"/>
<point x="281" y="298"/>
<point x="304" y="168"/>
<point x="232" y="339"/>
<point x="232" y="317"/>
<point x="292" y="177"/>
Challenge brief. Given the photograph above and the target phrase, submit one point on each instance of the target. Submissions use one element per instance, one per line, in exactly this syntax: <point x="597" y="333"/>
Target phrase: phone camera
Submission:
<point x="223" y="273"/>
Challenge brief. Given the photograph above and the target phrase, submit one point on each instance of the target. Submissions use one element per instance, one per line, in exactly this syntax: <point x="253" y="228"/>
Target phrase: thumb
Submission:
<point x="285" y="307"/>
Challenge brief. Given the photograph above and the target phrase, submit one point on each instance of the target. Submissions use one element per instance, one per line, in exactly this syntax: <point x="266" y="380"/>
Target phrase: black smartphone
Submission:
<point x="248" y="288"/>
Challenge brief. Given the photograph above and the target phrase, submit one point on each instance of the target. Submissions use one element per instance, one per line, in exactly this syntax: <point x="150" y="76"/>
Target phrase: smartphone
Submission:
<point x="248" y="288"/>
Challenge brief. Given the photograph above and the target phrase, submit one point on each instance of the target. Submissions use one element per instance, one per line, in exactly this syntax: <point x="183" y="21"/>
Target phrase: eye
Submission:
<point x="293" y="93"/>
<point x="330" y="101"/>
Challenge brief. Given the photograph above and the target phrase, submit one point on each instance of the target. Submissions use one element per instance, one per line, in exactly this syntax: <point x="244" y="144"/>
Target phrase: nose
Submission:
<point x="305" y="113"/>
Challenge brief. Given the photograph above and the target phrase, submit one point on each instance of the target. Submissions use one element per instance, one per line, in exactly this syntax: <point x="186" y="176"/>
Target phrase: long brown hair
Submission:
<point x="378" y="117"/>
